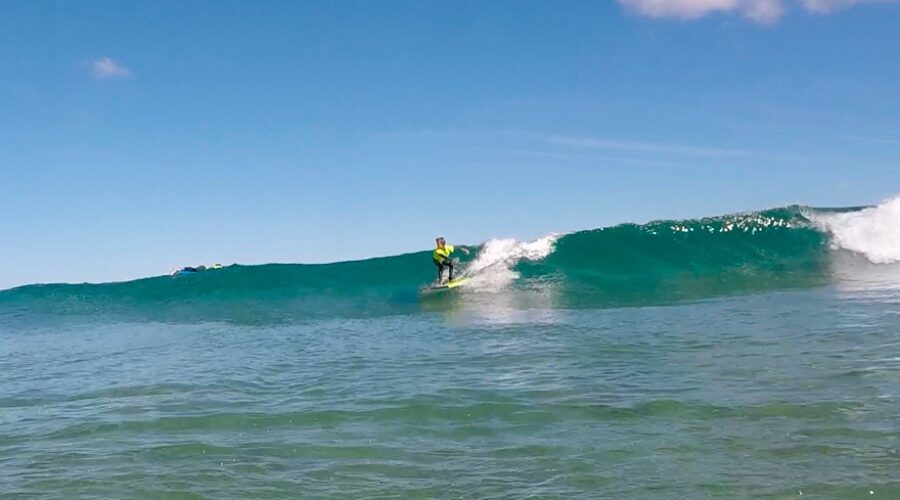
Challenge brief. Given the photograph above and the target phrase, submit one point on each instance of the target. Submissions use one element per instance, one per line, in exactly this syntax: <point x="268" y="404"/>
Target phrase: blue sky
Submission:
<point x="140" y="136"/>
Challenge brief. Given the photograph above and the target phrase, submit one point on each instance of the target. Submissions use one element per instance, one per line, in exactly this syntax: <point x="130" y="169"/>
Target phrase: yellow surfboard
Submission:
<point x="457" y="282"/>
<point x="447" y="286"/>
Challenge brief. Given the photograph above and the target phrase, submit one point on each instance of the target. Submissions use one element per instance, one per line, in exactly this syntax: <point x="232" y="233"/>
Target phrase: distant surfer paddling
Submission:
<point x="191" y="269"/>
<point x="441" y="259"/>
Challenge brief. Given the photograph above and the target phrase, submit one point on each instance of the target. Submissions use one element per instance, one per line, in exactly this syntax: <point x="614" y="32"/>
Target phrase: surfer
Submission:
<point x="191" y="269"/>
<point x="441" y="258"/>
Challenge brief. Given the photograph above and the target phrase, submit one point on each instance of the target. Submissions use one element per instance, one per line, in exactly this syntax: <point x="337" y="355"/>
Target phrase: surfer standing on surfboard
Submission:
<point x="441" y="258"/>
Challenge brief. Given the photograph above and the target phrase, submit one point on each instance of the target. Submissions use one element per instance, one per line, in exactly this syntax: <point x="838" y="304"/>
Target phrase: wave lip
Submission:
<point x="494" y="266"/>
<point x="872" y="232"/>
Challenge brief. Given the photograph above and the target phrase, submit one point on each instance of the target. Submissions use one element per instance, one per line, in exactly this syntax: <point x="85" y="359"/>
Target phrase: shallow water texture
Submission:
<point x="779" y="395"/>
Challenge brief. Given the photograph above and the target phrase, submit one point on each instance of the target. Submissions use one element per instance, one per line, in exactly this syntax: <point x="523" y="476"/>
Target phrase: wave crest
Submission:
<point x="871" y="232"/>
<point x="493" y="268"/>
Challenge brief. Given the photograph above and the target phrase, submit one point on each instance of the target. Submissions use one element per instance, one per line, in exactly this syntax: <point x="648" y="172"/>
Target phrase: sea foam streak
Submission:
<point x="492" y="269"/>
<point x="871" y="232"/>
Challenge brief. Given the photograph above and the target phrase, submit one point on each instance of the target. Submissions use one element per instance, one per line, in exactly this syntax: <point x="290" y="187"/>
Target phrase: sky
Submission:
<point x="136" y="137"/>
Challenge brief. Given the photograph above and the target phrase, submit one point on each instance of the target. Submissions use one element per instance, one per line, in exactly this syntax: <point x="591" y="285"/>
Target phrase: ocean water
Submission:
<point x="743" y="356"/>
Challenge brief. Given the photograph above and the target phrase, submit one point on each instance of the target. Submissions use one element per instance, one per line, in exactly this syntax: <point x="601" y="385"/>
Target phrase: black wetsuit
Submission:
<point x="448" y="263"/>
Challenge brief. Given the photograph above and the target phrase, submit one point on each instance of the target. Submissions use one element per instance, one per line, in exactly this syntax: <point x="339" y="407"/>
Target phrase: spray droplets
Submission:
<point x="492" y="269"/>
<point x="872" y="232"/>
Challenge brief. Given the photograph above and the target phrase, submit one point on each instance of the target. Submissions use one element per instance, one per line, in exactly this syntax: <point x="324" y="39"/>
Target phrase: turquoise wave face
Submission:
<point x="676" y="260"/>
<point x="655" y="263"/>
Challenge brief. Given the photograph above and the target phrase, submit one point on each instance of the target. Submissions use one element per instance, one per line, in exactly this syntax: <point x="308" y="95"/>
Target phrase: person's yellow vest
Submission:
<point x="442" y="254"/>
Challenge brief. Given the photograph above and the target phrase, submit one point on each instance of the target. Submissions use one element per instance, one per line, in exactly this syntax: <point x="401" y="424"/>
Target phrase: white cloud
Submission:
<point x="685" y="9"/>
<point x="645" y="147"/>
<point x="763" y="11"/>
<point x="105" y="68"/>
<point x="760" y="11"/>
<point x="826" y="6"/>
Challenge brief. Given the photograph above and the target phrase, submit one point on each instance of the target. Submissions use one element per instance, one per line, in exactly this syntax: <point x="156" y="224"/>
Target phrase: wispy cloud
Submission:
<point x="827" y="6"/>
<point x="105" y="68"/>
<point x="646" y="147"/>
<point x="760" y="11"/>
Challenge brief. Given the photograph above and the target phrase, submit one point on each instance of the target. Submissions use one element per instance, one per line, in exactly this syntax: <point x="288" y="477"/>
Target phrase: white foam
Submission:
<point x="492" y="269"/>
<point x="871" y="232"/>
